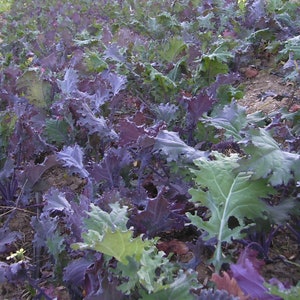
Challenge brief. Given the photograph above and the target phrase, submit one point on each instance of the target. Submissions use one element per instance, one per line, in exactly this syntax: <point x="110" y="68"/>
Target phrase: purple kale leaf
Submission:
<point x="255" y="13"/>
<point x="26" y="141"/>
<point x="160" y="215"/>
<point x="93" y="123"/>
<point x="30" y="177"/>
<point x="215" y="295"/>
<point x="113" y="52"/>
<point x="13" y="273"/>
<point x="116" y="82"/>
<point x="97" y="92"/>
<point x="7" y="238"/>
<point x="72" y="158"/>
<point x="56" y="201"/>
<point x="45" y="228"/>
<point x="130" y="132"/>
<point x="101" y="89"/>
<point x="108" y="171"/>
<point x="8" y="189"/>
<point x="198" y="105"/>
<point x="75" y="272"/>
<point x="69" y="84"/>
<point x="247" y="274"/>
<point x="74" y="220"/>
<point x="166" y="112"/>
<point x="206" y="99"/>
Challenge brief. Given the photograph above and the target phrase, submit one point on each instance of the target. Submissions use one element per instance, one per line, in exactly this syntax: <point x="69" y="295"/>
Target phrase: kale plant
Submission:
<point x="125" y="158"/>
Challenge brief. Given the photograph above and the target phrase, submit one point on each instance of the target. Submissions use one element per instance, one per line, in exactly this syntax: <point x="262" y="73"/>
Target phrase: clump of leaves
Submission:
<point x="139" y="262"/>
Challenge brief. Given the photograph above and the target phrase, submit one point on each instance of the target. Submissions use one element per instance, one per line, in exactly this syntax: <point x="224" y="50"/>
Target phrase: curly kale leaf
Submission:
<point x="227" y="193"/>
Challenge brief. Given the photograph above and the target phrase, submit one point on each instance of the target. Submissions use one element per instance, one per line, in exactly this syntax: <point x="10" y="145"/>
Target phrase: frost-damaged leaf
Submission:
<point x="73" y="159"/>
<point x="227" y="193"/>
<point x="266" y="159"/>
<point x="7" y="238"/>
<point x="232" y="118"/>
<point x="69" y="84"/>
<point x="170" y="144"/>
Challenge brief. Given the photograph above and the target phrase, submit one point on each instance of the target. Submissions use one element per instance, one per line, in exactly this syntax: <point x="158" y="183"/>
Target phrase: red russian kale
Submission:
<point x="246" y="272"/>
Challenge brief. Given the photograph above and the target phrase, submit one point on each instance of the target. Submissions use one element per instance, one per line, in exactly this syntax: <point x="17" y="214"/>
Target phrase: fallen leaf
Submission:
<point x="251" y="72"/>
<point x="228" y="284"/>
<point x="173" y="246"/>
<point x="294" y="108"/>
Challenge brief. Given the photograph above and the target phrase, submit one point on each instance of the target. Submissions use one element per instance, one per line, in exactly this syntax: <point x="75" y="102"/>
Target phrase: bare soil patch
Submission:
<point x="268" y="93"/>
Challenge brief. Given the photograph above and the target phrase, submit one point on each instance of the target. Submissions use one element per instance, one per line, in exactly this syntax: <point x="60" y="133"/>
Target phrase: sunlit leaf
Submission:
<point x="37" y="90"/>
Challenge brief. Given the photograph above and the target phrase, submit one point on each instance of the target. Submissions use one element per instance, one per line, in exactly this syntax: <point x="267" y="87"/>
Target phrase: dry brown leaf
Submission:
<point x="173" y="246"/>
<point x="225" y="282"/>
